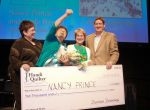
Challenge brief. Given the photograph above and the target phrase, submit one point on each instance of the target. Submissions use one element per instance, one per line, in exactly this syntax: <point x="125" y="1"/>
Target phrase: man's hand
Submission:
<point x="109" y="65"/>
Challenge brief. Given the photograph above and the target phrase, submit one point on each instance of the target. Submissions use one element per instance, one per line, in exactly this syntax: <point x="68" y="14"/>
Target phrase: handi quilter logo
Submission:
<point x="34" y="77"/>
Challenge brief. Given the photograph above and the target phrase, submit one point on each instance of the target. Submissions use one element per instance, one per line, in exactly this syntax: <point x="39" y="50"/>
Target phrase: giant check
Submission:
<point x="67" y="88"/>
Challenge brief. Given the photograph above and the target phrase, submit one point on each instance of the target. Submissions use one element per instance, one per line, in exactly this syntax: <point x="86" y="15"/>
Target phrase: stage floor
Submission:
<point x="6" y="108"/>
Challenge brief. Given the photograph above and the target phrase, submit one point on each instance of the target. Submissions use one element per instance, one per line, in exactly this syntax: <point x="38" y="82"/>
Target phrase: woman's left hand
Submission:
<point x="26" y="67"/>
<point x="64" y="59"/>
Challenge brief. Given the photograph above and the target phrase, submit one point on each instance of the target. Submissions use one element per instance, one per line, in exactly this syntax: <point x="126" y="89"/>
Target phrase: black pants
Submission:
<point x="17" y="95"/>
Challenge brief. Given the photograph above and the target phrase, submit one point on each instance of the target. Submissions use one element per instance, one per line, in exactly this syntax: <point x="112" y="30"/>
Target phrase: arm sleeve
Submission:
<point x="15" y="57"/>
<point x="114" y="52"/>
<point x="51" y="33"/>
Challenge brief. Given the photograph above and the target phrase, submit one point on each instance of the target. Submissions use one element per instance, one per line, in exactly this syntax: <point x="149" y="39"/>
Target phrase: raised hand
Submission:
<point x="61" y="19"/>
<point x="69" y="11"/>
<point x="26" y="67"/>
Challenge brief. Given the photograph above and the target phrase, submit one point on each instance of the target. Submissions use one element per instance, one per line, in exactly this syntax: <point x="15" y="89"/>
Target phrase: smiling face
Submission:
<point x="80" y="36"/>
<point x="29" y="33"/>
<point x="61" y="34"/>
<point x="99" y="25"/>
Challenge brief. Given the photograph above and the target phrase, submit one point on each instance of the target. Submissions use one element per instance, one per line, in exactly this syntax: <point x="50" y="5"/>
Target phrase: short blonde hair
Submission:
<point x="80" y="30"/>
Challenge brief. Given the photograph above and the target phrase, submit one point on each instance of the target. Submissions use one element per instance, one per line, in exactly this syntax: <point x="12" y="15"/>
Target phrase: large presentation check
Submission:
<point x="68" y="88"/>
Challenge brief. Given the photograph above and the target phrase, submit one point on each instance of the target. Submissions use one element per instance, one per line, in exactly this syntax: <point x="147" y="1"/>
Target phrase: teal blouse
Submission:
<point x="50" y="47"/>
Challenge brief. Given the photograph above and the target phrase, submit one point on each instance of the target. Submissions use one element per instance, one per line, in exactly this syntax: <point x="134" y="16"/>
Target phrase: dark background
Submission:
<point x="136" y="69"/>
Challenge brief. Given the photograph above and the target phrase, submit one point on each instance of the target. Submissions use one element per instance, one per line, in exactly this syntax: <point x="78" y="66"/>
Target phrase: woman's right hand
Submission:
<point x="69" y="11"/>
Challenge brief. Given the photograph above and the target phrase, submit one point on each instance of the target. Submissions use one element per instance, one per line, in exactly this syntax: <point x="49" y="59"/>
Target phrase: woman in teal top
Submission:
<point x="80" y="36"/>
<point x="52" y="47"/>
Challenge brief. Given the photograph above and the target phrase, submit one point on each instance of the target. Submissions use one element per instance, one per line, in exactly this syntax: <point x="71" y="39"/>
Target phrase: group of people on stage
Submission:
<point x="101" y="49"/>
